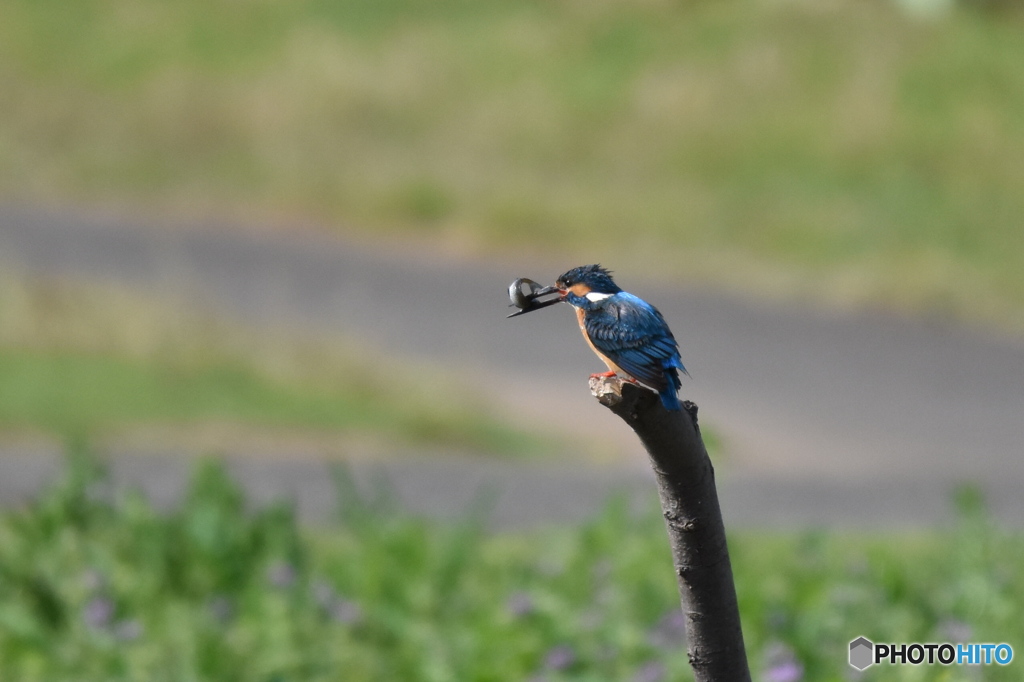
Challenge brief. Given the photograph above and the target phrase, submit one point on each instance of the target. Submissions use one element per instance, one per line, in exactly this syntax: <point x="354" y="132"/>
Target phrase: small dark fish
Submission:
<point x="521" y="292"/>
<point x="524" y="292"/>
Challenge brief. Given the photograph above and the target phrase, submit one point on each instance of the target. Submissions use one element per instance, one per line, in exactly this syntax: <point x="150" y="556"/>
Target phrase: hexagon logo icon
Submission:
<point x="862" y="653"/>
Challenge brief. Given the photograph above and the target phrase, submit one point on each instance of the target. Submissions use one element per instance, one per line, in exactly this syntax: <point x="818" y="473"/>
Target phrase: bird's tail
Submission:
<point x="669" y="397"/>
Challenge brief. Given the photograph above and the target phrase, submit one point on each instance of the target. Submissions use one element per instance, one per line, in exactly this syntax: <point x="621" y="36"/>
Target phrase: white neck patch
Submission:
<point x="594" y="297"/>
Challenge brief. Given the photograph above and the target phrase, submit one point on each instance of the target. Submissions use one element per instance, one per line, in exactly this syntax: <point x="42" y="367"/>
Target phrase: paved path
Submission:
<point x="810" y="404"/>
<point x="516" y="496"/>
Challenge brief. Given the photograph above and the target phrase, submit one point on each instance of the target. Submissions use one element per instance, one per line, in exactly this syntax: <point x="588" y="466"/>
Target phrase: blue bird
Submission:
<point x="626" y="332"/>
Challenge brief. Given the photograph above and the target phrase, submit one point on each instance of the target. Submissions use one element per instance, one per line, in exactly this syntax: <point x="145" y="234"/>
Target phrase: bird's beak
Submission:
<point x="544" y="291"/>
<point x="525" y="294"/>
<point x="536" y="305"/>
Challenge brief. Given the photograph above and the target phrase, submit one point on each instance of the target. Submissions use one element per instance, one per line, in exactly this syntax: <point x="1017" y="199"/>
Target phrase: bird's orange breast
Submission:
<point x="580" y="316"/>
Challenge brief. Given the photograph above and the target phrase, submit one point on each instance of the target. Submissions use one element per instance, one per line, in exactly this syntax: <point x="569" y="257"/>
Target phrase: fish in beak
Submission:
<point x="525" y="294"/>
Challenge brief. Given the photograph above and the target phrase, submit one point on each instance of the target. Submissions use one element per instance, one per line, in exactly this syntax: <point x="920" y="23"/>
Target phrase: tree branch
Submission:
<point x="689" y="502"/>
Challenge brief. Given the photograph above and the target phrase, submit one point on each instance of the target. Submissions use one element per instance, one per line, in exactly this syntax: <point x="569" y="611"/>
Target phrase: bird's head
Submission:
<point x="526" y="294"/>
<point x="587" y="278"/>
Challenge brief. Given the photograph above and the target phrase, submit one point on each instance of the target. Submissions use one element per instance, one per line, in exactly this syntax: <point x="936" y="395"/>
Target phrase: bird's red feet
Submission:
<point x="609" y="374"/>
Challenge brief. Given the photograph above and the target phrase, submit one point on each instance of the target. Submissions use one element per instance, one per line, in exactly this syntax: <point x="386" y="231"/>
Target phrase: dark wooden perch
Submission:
<point x="689" y="501"/>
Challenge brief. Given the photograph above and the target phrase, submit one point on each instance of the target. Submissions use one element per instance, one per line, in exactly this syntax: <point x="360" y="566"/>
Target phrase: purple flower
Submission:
<point x="345" y="611"/>
<point x="520" y="605"/>
<point x="93" y="580"/>
<point x="550" y="568"/>
<point x="221" y="609"/>
<point x="324" y="594"/>
<point x="670" y="631"/>
<point x="781" y="664"/>
<point x="777" y="620"/>
<point x="954" y="630"/>
<point x="128" y="630"/>
<point x="785" y="671"/>
<point x="603" y="569"/>
<point x="97" y="612"/>
<point x="281" y="574"/>
<point x="337" y="608"/>
<point x="560" y="657"/>
<point x="591" y="619"/>
<point x="652" y="671"/>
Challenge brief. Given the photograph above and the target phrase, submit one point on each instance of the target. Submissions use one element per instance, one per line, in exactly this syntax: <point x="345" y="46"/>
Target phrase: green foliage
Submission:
<point x="94" y="360"/>
<point x="100" y="586"/>
<point x="75" y="393"/>
<point x="855" y="152"/>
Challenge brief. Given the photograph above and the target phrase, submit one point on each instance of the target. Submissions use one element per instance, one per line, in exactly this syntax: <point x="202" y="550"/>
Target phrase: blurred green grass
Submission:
<point x="86" y="359"/>
<point x="95" y="586"/>
<point x="847" y="152"/>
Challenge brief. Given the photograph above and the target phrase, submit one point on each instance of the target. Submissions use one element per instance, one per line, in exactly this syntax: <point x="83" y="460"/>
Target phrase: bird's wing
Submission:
<point x="633" y="334"/>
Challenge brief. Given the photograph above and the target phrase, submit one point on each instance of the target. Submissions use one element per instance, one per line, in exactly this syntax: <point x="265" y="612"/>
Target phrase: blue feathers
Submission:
<point x="669" y="399"/>
<point x="595" y="277"/>
<point x="631" y="335"/>
<point x="628" y="333"/>
<point x="668" y="394"/>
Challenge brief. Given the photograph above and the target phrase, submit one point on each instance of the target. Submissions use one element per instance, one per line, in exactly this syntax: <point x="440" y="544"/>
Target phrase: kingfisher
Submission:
<point x="629" y="334"/>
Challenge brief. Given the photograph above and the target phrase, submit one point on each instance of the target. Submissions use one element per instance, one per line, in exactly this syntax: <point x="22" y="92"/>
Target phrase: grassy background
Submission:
<point x="101" y="362"/>
<point x="110" y="590"/>
<point x="845" y="151"/>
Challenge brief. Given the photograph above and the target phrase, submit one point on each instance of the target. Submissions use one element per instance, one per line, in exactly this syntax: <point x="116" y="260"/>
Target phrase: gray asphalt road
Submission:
<point x="512" y="495"/>
<point x="840" y="407"/>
